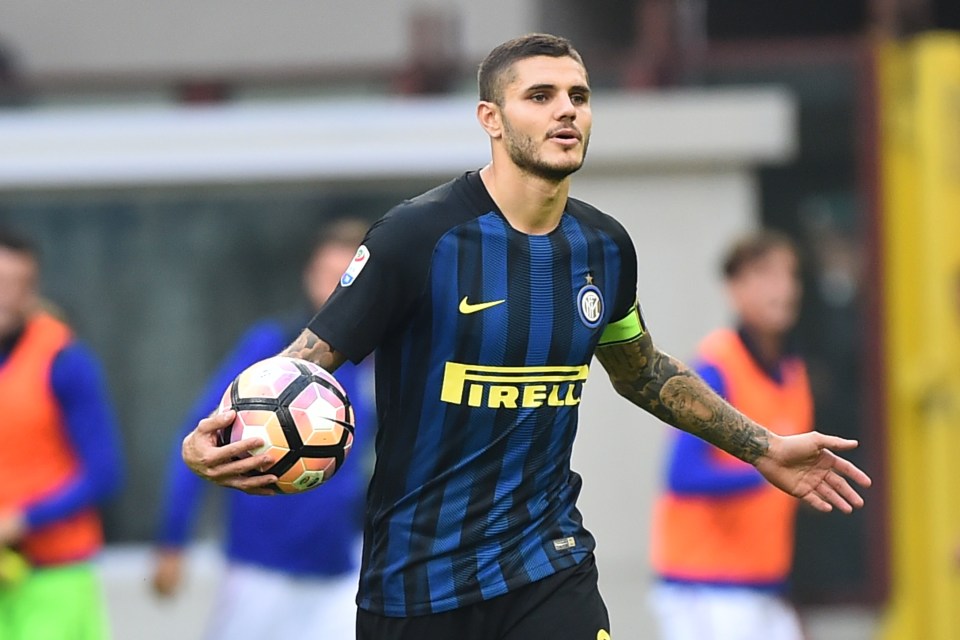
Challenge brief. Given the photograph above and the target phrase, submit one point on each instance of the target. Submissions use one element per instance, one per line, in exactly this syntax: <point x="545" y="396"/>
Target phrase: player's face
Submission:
<point x="18" y="279"/>
<point x="767" y="291"/>
<point x="322" y="273"/>
<point x="546" y="116"/>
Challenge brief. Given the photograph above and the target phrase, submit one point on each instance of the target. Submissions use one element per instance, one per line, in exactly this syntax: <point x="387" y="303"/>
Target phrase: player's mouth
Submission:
<point x="566" y="136"/>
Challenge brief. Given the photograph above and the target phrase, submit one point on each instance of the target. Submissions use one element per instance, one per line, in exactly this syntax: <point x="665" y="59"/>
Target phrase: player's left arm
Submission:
<point x="80" y="387"/>
<point x="803" y="465"/>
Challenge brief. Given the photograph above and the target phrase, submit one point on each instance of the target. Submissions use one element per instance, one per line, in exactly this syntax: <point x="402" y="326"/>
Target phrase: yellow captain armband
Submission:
<point x="630" y="327"/>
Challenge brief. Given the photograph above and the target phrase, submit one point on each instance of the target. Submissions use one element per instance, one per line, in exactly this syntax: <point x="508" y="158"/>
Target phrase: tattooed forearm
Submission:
<point x="309" y="347"/>
<point x="668" y="389"/>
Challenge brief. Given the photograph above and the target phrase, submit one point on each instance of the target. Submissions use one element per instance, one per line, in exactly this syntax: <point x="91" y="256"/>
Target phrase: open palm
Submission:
<point x="805" y="466"/>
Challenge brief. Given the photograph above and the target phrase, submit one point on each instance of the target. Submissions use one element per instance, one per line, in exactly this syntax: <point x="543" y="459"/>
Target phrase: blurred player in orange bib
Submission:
<point x="722" y="537"/>
<point x="60" y="458"/>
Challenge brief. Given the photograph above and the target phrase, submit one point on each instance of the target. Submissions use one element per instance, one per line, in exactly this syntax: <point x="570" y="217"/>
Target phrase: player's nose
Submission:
<point x="566" y="110"/>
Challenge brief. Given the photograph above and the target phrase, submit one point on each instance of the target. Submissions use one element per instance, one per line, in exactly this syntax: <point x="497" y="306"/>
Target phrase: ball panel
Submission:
<point x="316" y="418"/>
<point x="324" y="437"/>
<point x="251" y="423"/>
<point x="319" y="408"/>
<point x="331" y="387"/>
<point x="306" y="474"/>
<point x="327" y="465"/>
<point x="265" y="382"/>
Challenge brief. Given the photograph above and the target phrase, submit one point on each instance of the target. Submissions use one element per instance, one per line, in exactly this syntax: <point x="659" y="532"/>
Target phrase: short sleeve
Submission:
<point x="376" y="291"/>
<point x="627" y="319"/>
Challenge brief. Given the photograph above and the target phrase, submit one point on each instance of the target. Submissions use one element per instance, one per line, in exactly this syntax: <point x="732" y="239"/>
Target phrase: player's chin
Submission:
<point x="571" y="168"/>
<point x="565" y="165"/>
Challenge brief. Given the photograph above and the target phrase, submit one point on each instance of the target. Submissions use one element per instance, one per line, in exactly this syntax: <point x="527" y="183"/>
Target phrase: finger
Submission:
<point x="813" y="499"/>
<point x="238" y="468"/>
<point x="204" y="456"/>
<point x="842" y="487"/>
<point x="255" y="485"/>
<point x="217" y="421"/>
<point x="240" y="448"/>
<point x="828" y="493"/>
<point x="835" y="443"/>
<point x="850" y="470"/>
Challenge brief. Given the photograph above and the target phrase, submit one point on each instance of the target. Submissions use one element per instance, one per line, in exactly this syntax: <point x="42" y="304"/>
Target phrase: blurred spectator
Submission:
<point x="60" y="458"/>
<point x="722" y="539"/>
<point x="659" y="50"/>
<point x="12" y="91"/>
<point x="435" y="54"/>
<point x="297" y="553"/>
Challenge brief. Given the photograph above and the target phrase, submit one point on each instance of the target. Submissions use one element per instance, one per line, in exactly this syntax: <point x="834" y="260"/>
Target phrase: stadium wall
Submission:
<point x="103" y="38"/>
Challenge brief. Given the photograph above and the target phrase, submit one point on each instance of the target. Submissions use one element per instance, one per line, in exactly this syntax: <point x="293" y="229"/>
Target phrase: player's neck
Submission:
<point x="768" y="346"/>
<point x="530" y="204"/>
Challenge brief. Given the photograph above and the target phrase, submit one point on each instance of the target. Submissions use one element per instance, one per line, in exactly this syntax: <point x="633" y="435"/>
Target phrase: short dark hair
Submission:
<point x="752" y="247"/>
<point x="492" y="76"/>
<point x="13" y="241"/>
<point x="341" y="232"/>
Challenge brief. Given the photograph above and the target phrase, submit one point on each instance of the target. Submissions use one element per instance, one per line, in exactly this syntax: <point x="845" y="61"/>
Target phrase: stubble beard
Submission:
<point x="524" y="154"/>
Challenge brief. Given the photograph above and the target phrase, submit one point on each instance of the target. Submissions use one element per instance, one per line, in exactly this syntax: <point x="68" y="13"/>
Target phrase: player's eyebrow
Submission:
<point x="546" y="86"/>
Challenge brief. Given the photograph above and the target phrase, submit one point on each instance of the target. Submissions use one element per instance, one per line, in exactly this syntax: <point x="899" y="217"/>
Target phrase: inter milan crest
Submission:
<point x="590" y="304"/>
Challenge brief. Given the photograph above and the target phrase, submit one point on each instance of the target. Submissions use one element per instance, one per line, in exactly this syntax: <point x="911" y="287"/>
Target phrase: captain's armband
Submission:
<point x="628" y="328"/>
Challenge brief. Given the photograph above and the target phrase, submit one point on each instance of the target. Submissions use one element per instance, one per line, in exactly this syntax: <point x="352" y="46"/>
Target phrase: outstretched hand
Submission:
<point x="806" y="467"/>
<point x="228" y="465"/>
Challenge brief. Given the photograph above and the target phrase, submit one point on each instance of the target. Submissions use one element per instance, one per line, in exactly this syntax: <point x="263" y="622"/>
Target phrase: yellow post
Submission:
<point x="920" y="143"/>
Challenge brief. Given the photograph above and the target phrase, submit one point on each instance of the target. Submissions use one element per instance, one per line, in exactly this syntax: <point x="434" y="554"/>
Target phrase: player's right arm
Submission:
<point x="229" y="465"/>
<point x="308" y="346"/>
<point x="376" y="290"/>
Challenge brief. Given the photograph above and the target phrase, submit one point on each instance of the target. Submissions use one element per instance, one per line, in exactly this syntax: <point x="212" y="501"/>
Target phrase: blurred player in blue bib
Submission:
<point x="292" y="562"/>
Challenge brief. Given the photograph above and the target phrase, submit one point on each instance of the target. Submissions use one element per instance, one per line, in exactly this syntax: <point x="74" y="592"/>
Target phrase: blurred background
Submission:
<point x="172" y="160"/>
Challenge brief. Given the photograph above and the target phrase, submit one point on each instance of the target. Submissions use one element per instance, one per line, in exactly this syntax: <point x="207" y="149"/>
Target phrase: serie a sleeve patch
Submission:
<point x="628" y="328"/>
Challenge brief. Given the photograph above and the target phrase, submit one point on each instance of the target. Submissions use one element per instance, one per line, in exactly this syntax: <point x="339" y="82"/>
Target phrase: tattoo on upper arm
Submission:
<point x="668" y="389"/>
<point x="311" y="348"/>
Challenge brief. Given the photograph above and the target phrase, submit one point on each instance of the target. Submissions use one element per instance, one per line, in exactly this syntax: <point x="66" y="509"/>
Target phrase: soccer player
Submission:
<point x="60" y="457"/>
<point x="297" y="553"/>
<point x="722" y="542"/>
<point x="486" y="299"/>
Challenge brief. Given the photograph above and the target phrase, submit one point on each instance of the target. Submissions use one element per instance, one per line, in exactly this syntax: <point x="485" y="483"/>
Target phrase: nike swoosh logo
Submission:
<point x="466" y="307"/>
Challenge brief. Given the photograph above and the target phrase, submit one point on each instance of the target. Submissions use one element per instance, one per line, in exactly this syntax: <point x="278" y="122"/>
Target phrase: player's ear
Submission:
<point x="490" y="118"/>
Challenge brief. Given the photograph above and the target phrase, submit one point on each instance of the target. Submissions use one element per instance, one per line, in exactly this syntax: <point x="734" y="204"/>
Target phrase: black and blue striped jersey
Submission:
<point x="483" y="337"/>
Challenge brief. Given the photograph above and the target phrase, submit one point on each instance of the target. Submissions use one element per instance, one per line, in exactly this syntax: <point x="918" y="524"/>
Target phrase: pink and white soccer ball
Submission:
<point x="302" y="414"/>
